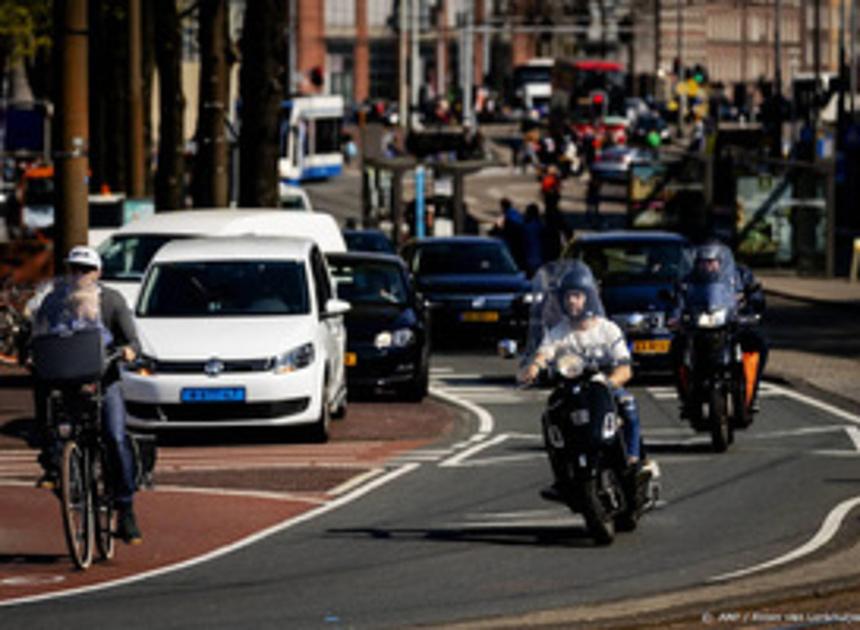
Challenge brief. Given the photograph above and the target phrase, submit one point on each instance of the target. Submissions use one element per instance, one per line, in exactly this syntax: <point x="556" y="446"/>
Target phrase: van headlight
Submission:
<point x="295" y="359"/>
<point x="399" y="338"/>
<point x="144" y="365"/>
<point x="714" y="319"/>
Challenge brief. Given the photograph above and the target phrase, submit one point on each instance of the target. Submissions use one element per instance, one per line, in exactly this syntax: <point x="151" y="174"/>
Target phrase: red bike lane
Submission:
<point x="207" y="499"/>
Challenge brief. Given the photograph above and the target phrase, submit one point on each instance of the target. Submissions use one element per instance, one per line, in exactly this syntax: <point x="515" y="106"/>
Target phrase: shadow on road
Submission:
<point x="524" y="535"/>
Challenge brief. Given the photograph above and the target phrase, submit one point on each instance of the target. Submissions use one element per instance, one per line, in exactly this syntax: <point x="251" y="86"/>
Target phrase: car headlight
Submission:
<point x="714" y="319"/>
<point x="295" y="359"/>
<point x="399" y="338"/>
<point x="144" y="365"/>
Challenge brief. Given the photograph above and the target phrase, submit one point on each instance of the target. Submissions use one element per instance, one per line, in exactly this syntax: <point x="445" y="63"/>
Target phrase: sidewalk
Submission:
<point x="813" y="327"/>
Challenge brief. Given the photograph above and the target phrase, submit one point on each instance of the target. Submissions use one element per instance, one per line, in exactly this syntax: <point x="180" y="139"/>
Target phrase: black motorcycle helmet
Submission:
<point x="578" y="277"/>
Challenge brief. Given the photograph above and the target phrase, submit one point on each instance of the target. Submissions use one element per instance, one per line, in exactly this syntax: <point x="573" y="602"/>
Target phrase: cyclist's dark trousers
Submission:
<point x="113" y="425"/>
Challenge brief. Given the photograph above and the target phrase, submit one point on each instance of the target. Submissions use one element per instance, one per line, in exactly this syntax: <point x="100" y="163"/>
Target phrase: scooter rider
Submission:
<point x="584" y="331"/>
<point x="109" y="309"/>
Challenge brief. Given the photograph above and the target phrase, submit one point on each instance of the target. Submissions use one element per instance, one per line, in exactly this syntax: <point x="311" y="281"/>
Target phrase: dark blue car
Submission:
<point x="387" y="345"/>
<point x="472" y="284"/>
<point x="638" y="272"/>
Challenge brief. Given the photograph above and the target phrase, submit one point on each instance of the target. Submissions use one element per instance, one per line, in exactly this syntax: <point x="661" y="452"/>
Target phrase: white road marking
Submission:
<point x="854" y="435"/>
<point x="828" y="529"/>
<point x="226" y="549"/>
<point x="480" y="446"/>
<point x="485" y="419"/>
<point x="823" y="406"/>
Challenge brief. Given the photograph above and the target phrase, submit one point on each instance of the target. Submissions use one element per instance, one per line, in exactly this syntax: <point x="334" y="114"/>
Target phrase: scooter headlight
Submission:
<point x="714" y="319"/>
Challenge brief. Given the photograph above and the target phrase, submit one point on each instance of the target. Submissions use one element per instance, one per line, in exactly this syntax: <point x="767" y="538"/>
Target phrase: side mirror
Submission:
<point x="334" y="308"/>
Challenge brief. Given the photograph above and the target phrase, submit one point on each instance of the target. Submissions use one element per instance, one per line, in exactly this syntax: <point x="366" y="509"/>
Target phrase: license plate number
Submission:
<point x="479" y="316"/>
<point x="212" y="394"/>
<point x="651" y="346"/>
<point x="350" y="359"/>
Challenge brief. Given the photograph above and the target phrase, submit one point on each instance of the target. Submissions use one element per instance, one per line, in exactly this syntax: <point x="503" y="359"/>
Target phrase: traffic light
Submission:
<point x="699" y="74"/>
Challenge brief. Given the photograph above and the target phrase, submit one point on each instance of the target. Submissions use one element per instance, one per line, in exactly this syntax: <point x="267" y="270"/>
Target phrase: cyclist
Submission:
<point x="73" y="302"/>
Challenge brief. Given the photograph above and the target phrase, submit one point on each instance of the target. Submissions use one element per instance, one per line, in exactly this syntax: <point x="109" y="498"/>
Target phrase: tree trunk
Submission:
<point x="170" y="176"/>
<point x="261" y="85"/>
<point x="148" y="70"/>
<point x="211" y="166"/>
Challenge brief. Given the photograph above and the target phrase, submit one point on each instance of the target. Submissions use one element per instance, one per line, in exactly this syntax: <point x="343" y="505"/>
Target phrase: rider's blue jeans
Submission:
<point x="113" y="425"/>
<point x="629" y="411"/>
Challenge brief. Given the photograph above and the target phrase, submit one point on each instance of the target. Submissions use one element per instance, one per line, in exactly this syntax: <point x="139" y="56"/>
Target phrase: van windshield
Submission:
<point x="226" y="288"/>
<point x="126" y="257"/>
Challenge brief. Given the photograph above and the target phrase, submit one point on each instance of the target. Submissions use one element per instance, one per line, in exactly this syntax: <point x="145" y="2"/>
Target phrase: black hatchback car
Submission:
<point x="386" y="329"/>
<point x="472" y="284"/>
<point x="638" y="272"/>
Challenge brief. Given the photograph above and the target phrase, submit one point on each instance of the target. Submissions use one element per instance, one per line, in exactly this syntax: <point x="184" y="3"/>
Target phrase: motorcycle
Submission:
<point x="717" y="378"/>
<point x="582" y="430"/>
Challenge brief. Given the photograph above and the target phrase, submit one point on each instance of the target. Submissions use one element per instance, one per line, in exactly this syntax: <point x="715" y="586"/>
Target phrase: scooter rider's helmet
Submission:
<point x="578" y="278"/>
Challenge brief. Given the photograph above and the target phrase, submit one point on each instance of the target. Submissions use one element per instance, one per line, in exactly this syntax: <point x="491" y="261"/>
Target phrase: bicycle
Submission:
<point x="70" y="366"/>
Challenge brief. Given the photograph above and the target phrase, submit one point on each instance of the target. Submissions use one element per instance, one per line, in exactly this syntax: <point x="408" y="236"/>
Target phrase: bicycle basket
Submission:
<point x="69" y="358"/>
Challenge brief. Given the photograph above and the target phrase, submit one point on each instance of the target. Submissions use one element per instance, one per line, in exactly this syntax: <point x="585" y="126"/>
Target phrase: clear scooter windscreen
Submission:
<point x="712" y="284"/>
<point x="547" y="295"/>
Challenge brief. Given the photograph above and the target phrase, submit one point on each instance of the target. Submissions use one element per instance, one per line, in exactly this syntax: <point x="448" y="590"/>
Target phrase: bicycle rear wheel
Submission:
<point x="102" y="497"/>
<point x="77" y="505"/>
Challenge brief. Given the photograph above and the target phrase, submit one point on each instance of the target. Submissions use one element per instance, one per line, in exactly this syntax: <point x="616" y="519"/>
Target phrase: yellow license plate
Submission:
<point x="651" y="346"/>
<point x="479" y="316"/>
<point x="350" y="359"/>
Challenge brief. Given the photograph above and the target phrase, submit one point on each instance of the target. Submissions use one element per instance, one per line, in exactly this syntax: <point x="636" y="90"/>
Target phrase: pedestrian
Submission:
<point x="551" y="189"/>
<point x="510" y="228"/>
<point x="533" y="239"/>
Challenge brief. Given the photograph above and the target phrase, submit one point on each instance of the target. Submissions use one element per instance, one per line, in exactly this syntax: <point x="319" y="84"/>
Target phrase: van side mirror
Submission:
<point x="334" y="308"/>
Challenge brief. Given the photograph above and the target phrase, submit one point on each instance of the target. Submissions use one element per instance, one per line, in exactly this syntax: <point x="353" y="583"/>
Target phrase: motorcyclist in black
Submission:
<point x="750" y="301"/>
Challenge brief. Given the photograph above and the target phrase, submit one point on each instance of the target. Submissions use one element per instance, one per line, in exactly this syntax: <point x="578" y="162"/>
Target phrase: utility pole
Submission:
<point x="777" y="78"/>
<point x="816" y="61"/>
<point x="403" y="94"/>
<point x="136" y="178"/>
<point x="71" y="159"/>
<point x="658" y="37"/>
<point x="415" y="74"/>
<point x="843" y="71"/>
<point x="853" y="52"/>
<point x="468" y="61"/>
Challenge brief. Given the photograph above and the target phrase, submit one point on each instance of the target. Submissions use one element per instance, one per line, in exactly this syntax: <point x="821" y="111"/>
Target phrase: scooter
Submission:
<point x="586" y="449"/>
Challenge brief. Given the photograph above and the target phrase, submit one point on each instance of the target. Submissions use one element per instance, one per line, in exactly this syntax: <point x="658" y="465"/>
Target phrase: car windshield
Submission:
<point x="127" y="257"/>
<point x="291" y="202"/>
<point x="368" y="282"/>
<point x="615" y="264"/>
<point x="225" y="288"/>
<point x="465" y="258"/>
<point x="368" y="242"/>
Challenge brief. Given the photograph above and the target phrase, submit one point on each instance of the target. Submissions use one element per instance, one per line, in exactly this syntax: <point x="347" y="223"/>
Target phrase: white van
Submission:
<point x="238" y="332"/>
<point x="127" y="253"/>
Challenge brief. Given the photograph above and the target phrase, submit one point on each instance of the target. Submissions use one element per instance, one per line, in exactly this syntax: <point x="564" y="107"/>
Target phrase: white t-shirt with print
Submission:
<point x="601" y="341"/>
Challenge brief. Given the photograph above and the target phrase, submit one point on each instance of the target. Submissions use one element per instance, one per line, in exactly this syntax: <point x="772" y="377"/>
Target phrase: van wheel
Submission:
<point x="319" y="430"/>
